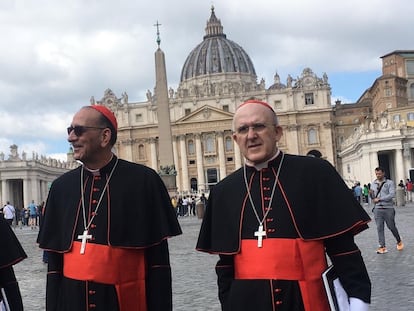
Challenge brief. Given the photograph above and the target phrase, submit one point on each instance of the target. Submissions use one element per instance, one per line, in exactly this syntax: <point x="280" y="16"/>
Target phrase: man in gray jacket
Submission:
<point x="382" y="193"/>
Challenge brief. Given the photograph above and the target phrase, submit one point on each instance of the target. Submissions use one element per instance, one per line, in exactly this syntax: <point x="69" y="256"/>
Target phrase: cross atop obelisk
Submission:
<point x="158" y="33"/>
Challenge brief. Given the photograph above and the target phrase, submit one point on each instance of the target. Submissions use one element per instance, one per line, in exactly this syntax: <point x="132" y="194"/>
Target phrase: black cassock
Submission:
<point x="126" y="263"/>
<point x="11" y="252"/>
<point x="313" y="213"/>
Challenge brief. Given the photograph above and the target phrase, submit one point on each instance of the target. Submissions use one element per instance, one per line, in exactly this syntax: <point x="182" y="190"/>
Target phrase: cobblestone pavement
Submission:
<point x="194" y="280"/>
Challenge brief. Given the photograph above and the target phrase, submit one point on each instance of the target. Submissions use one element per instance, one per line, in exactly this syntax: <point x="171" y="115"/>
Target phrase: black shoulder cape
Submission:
<point x="11" y="249"/>
<point x="141" y="211"/>
<point x="321" y="204"/>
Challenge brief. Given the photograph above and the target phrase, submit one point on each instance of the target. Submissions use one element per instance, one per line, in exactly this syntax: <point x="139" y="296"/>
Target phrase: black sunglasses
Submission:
<point x="80" y="129"/>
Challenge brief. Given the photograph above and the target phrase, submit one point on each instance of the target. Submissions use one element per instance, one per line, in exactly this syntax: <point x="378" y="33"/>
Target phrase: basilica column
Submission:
<point x="175" y="155"/>
<point x="153" y="154"/>
<point x="221" y="155"/>
<point x="184" y="166"/>
<point x="293" y="138"/>
<point x="128" y="143"/>
<point x="237" y="156"/>
<point x="201" y="181"/>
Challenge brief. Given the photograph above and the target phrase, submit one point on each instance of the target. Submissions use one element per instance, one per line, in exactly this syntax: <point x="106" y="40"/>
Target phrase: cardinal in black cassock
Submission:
<point x="106" y="228"/>
<point x="273" y="221"/>
<point x="311" y="212"/>
<point x="11" y="253"/>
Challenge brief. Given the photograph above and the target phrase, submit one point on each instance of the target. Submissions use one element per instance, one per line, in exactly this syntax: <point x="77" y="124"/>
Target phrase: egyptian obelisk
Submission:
<point x="165" y="150"/>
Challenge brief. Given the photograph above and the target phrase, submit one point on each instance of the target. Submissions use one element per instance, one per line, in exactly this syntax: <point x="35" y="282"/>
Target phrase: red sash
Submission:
<point x="286" y="259"/>
<point x="123" y="268"/>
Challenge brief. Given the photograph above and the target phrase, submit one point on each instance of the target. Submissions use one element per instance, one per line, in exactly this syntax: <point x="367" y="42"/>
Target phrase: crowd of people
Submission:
<point x="186" y="205"/>
<point x="29" y="216"/>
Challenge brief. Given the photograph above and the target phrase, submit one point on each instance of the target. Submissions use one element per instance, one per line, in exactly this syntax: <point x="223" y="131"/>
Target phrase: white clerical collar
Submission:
<point x="263" y="164"/>
<point x="96" y="172"/>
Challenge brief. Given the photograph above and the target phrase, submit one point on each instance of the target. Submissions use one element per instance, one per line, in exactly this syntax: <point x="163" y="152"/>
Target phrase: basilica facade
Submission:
<point x="217" y="76"/>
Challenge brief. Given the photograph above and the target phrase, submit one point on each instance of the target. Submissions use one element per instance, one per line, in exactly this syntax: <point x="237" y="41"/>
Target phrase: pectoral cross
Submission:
<point x="85" y="236"/>
<point x="260" y="234"/>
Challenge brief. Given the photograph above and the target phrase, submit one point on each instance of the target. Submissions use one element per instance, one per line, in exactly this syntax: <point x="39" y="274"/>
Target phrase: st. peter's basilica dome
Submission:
<point x="216" y="55"/>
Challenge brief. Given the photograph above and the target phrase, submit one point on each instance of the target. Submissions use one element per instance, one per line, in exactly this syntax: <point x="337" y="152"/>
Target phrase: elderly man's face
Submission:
<point x="256" y="133"/>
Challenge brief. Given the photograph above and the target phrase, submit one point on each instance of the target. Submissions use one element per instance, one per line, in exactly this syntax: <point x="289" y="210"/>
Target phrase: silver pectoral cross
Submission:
<point x="85" y="236"/>
<point x="260" y="234"/>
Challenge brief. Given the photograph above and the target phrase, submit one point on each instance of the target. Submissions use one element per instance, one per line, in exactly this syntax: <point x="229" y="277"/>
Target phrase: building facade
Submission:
<point x="385" y="134"/>
<point x="217" y="76"/>
<point x="23" y="180"/>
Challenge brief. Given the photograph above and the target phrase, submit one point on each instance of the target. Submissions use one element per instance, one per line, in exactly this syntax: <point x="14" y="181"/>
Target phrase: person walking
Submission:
<point x="273" y="221"/>
<point x="409" y="188"/>
<point x="382" y="194"/>
<point x="9" y="213"/>
<point x="365" y="193"/>
<point x="105" y="227"/>
<point x="32" y="209"/>
<point x="358" y="192"/>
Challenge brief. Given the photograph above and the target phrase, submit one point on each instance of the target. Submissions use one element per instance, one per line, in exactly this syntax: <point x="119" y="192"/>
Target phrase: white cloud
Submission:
<point x="57" y="54"/>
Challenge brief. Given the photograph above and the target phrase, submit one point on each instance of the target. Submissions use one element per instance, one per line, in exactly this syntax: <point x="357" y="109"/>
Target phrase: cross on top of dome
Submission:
<point x="214" y="27"/>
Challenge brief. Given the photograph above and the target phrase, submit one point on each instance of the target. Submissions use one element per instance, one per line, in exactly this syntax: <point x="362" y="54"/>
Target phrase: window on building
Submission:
<point x="412" y="91"/>
<point x="229" y="159"/>
<point x="410" y="116"/>
<point x="226" y="108"/>
<point x="191" y="162"/>
<point x="410" y="67"/>
<point x="312" y="136"/>
<point x="348" y="168"/>
<point x="210" y="144"/>
<point x="278" y="104"/>
<point x="396" y="118"/>
<point x="228" y="144"/>
<point x="309" y="99"/>
<point x="190" y="147"/>
<point x="187" y="111"/>
<point x="138" y="117"/>
<point x="388" y="92"/>
<point x="141" y="152"/>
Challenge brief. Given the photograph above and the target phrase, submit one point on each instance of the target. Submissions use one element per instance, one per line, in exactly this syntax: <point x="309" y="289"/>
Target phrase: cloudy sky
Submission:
<point x="55" y="55"/>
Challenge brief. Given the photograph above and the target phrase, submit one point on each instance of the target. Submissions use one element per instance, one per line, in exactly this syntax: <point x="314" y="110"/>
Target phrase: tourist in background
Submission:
<point x="383" y="194"/>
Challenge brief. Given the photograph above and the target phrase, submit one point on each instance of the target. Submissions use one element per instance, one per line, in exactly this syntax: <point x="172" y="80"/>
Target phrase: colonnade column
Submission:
<point x="221" y="155"/>
<point x="3" y="192"/>
<point x="184" y="166"/>
<point x="26" y="198"/>
<point x="38" y="190"/>
<point x="153" y="151"/>
<point x="201" y="182"/>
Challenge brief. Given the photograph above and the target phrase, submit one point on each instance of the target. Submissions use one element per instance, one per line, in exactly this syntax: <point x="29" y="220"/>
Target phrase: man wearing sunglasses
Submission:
<point x="106" y="225"/>
<point x="273" y="221"/>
